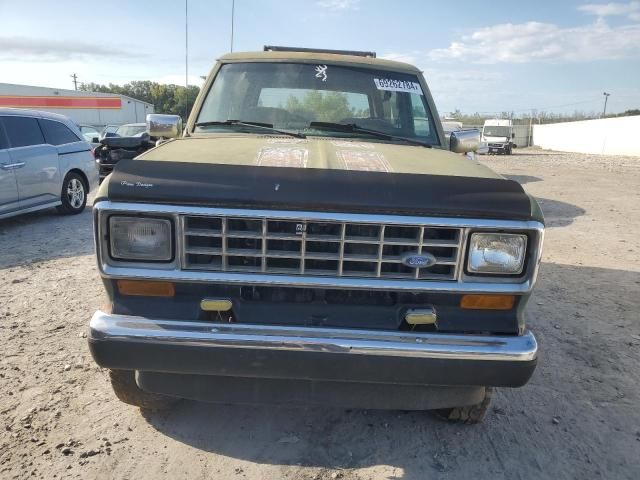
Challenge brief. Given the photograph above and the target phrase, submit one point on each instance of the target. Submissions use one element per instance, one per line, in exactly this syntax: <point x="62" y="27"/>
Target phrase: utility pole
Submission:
<point x="606" y="97"/>
<point x="233" y="11"/>
<point x="75" y="81"/>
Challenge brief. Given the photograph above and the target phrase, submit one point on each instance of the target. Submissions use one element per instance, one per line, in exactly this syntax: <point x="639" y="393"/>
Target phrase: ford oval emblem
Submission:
<point x="418" y="260"/>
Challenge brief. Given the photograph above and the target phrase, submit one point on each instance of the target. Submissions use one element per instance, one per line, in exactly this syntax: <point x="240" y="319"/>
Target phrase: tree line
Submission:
<point x="535" y="116"/>
<point x="165" y="98"/>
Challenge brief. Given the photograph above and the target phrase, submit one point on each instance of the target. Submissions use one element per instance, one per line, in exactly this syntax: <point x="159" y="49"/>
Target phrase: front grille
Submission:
<point x="496" y="145"/>
<point x="317" y="248"/>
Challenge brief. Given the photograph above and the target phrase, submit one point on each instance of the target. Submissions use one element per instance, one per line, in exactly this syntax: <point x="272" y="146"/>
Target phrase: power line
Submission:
<point x="556" y="106"/>
<point x="539" y="108"/>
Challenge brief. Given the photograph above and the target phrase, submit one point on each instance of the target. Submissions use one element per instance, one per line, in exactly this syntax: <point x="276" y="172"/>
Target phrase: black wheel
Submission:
<point x="470" y="414"/>
<point x="73" y="195"/>
<point x="126" y="389"/>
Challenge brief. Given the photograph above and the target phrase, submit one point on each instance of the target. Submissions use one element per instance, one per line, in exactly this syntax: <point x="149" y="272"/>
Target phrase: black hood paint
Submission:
<point x="283" y="188"/>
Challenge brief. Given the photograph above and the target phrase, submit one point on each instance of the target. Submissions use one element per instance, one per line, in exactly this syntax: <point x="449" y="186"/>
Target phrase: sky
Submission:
<point x="489" y="56"/>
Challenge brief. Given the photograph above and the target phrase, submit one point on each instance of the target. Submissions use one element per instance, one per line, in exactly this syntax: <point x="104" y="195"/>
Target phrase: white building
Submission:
<point x="87" y="108"/>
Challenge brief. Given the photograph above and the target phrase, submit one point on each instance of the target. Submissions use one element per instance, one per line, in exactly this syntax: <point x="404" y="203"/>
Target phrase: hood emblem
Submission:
<point x="418" y="260"/>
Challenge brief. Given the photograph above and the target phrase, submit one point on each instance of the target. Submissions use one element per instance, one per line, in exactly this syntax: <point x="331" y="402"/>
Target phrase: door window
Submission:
<point x="89" y="133"/>
<point x="22" y="131"/>
<point x="57" y="133"/>
<point x="421" y="122"/>
<point x="3" y="139"/>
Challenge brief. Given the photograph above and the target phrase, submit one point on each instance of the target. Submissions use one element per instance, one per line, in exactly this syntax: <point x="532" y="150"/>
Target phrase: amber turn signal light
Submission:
<point x="216" y="304"/>
<point x="487" y="302"/>
<point x="146" y="288"/>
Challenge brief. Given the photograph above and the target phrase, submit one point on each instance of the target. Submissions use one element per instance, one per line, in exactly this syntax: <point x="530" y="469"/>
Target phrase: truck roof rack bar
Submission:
<point x="275" y="48"/>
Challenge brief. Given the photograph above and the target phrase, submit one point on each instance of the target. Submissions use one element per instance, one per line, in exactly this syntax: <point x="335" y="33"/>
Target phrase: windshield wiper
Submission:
<point x="355" y="128"/>
<point x="265" y="126"/>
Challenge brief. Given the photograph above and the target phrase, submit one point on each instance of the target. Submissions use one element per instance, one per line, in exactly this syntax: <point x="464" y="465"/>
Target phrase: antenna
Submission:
<point x="186" y="58"/>
<point x="233" y="11"/>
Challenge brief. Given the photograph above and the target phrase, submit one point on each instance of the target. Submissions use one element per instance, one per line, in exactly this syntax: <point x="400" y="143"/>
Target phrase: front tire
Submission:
<point x="73" y="195"/>
<point x="471" y="414"/>
<point x="127" y="390"/>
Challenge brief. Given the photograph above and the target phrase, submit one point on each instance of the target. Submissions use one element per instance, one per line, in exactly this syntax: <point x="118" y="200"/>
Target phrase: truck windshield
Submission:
<point x="496" y="131"/>
<point x="291" y="96"/>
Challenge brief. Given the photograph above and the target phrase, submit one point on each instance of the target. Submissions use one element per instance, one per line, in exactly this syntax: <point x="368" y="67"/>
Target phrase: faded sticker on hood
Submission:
<point x="363" y="161"/>
<point x="348" y="144"/>
<point x="283" y="157"/>
<point x="286" y="141"/>
<point x="398" y="85"/>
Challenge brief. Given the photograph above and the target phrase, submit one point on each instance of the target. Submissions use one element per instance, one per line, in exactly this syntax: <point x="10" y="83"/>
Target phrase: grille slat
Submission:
<point x="318" y="248"/>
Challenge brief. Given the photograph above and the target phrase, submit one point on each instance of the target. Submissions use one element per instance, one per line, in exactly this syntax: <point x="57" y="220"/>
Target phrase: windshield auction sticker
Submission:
<point x="397" y="85"/>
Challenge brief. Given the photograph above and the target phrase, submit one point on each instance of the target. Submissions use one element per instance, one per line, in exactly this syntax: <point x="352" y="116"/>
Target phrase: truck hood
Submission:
<point x="249" y="171"/>
<point x="324" y="153"/>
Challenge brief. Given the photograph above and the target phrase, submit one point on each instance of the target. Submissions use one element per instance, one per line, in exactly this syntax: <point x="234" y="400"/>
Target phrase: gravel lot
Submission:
<point x="578" y="418"/>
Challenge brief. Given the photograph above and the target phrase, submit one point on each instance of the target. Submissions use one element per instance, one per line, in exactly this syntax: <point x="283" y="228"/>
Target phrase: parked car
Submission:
<point x="128" y="141"/>
<point x="109" y="130"/>
<point x="131" y="130"/>
<point x="293" y="248"/>
<point x="44" y="162"/>
<point x="90" y="134"/>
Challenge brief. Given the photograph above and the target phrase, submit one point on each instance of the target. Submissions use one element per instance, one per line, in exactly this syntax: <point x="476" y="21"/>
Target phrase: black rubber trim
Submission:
<point x="323" y="366"/>
<point x="240" y="186"/>
<point x="305" y="393"/>
<point x="75" y="151"/>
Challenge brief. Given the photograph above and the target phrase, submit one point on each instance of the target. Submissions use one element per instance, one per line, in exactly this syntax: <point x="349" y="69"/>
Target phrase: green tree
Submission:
<point x="166" y="98"/>
<point x="322" y="107"/>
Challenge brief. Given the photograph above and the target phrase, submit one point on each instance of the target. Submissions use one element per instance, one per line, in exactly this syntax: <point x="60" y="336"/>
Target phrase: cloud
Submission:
<point x="535" y="41"/>
<point x="630" y="9"/>
<point x="35" y="49"/>
<point x="339" y="4"/>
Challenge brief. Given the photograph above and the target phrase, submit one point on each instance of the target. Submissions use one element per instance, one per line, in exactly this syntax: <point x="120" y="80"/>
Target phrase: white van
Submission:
<point x="497" y="136"/>
<point x="44" y="162"/>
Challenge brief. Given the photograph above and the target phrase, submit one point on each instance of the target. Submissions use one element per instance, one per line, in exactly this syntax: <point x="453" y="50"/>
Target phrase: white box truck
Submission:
<point x="498" y="135"/>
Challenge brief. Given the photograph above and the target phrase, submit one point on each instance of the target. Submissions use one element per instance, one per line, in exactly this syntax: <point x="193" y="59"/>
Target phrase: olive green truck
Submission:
<point x="310" y="237"/>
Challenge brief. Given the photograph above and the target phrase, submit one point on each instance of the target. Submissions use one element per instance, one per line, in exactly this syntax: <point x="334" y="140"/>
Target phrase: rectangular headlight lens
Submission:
<point x="498" y="253"/>
<point x="146" y="239"/>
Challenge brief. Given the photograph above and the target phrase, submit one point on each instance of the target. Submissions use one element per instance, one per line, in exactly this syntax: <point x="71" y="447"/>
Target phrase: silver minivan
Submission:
<point x="44" y="162"/>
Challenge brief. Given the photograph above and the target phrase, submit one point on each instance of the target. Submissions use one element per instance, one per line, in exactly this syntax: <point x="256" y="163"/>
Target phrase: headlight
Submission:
<point x="146" y="239"/>
<point x="501" y="253"/>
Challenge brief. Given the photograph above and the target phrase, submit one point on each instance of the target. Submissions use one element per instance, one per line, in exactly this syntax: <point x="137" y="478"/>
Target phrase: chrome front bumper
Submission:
<point x="309" y="353"/>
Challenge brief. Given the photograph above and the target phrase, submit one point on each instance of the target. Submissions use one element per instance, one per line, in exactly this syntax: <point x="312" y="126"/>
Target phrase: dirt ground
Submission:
<point x="579" y="417"/>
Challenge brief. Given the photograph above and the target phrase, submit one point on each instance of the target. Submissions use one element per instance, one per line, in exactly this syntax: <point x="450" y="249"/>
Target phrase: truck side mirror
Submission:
<point x="464" y="141"/>
<point x="167" y="126"/>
